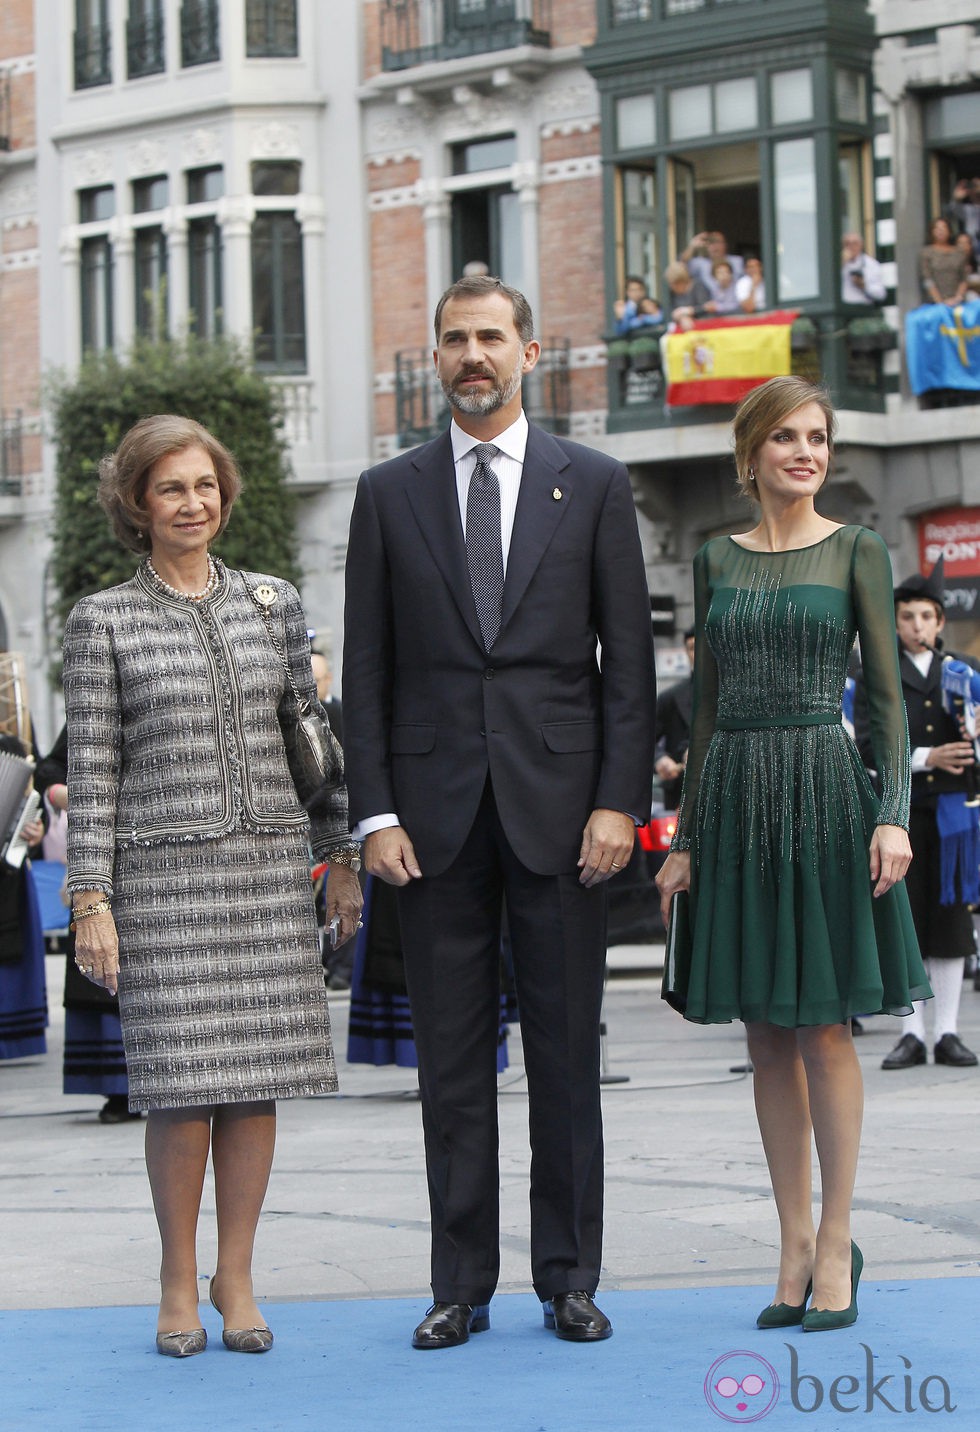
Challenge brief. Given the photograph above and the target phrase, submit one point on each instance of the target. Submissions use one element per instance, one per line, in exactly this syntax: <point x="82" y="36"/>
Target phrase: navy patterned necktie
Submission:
<point x="483" y="547"/>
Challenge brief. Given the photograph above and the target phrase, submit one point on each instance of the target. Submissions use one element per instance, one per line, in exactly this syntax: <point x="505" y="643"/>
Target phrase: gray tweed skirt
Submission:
<point x="221" y="991"/>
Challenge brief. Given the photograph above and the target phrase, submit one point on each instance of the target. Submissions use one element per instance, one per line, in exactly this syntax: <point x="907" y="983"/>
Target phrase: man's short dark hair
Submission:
<point x="480" y="286"/>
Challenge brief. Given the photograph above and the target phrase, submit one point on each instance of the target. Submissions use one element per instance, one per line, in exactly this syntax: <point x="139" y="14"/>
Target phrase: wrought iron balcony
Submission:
<point x="418" y="32"/>
<point x="93" y="56"/>
<point x="199" y="32"/>
<point x="422" y="413"/>
<point x="144" y="46"/>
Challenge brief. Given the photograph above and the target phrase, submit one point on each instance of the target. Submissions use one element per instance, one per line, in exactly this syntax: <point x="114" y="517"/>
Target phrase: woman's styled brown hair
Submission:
<point x="763" y="409"/>
<point x="123" y="474"/>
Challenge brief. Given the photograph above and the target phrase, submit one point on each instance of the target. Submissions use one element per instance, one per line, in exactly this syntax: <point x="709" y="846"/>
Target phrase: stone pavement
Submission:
<point x="687" y="1201"/>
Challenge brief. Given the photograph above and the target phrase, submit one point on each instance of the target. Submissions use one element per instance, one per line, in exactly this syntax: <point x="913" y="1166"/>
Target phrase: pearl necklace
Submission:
<point x="209" y="587"/>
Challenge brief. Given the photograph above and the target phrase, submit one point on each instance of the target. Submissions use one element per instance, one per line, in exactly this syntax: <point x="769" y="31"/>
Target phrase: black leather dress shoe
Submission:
<point x="952" y="1050"/>
<point x="575" y="1317"/>
<point x="908" y="1051"/>
<point x="450" y="1325"/>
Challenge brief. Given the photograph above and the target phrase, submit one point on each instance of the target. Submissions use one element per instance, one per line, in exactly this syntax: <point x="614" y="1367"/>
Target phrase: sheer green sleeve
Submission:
<point x="872" y="588"/>
<point x="705" y="705"/>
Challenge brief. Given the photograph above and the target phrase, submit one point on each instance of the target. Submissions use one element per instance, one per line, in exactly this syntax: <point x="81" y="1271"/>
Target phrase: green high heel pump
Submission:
<point x="784" y="1315"/>
<point x="825" y="1320"/>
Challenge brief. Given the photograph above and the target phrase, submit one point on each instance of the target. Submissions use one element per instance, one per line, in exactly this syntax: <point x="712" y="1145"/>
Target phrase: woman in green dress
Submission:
<point x="791" y="914"/>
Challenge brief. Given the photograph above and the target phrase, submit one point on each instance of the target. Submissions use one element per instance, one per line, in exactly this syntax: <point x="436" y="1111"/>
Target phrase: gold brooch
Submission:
<point x="557" y="494"/>
<point x="265" y="594"/>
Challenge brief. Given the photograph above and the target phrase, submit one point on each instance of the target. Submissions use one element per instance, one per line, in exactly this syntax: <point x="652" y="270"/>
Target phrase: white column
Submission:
<point x="70" y="252"/>
<point x="235" y="217"/>
<point x="436" y="210"/>
<point x="309" y="435"/>
<point x="178" y="272"/>
<point x="123" y="284"/>
<point x="526" y="182"/>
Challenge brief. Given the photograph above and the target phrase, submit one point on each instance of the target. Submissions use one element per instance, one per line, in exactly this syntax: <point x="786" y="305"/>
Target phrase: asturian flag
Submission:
<point x="942" y="346"/>
<point x="719" y="360"/>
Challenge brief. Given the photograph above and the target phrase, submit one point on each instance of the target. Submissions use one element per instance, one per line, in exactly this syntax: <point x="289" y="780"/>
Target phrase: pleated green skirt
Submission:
<point x="780" y="924"/>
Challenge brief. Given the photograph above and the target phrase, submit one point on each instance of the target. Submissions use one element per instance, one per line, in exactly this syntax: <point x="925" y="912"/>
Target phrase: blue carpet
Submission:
<point x="348" y="1367"/>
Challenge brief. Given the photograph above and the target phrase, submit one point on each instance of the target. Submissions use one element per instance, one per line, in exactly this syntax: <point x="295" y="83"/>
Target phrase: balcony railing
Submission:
<point x="93" y="56"/>
<point x="844" y="352"/>
<point x="144" y="46"/>
<point x="421" y="410"/>
<point x="11" y="453"/>
<point x="199" y="32"/>
<point x="417" y="32"/>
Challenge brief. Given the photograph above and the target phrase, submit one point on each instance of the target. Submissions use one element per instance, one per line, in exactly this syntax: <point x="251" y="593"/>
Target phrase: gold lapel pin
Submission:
<point x="556" y="494"/>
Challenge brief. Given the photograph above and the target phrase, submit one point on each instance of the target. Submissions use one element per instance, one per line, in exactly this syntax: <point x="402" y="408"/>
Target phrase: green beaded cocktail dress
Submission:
<point x="778" y="810"/>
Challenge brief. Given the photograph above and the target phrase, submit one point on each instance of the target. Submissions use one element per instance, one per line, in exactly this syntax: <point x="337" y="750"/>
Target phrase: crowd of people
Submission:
<point x="706" y="280"/>
<point x="495" y="772"/>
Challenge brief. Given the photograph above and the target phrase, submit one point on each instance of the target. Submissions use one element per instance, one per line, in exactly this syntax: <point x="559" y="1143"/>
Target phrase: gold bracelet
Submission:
<point x="82" y="912"/>
<point x="348" y="855"/>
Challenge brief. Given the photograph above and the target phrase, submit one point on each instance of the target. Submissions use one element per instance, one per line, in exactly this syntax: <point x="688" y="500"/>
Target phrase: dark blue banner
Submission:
<point x="942" y="346"/>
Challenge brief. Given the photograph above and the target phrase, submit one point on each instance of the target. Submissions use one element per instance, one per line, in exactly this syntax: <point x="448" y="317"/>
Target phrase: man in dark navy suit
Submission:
<point x="499" y="754"/>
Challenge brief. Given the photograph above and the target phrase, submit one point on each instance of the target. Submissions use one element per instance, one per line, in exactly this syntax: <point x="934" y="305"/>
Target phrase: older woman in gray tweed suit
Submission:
<point x="189" y="857"/>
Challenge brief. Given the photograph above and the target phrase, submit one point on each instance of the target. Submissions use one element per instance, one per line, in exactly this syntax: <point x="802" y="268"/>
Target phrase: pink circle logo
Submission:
<point x="741" y="1387"/>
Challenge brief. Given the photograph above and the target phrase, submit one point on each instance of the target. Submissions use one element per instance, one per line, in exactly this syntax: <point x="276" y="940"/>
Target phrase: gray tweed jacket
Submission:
<point x="173" y="712"/>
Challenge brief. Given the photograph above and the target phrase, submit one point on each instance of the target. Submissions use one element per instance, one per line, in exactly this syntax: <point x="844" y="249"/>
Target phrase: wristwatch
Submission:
<point x="348" y="855"/>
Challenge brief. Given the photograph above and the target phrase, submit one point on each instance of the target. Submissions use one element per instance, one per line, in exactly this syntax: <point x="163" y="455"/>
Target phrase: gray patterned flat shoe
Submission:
<point x="182" y="1344"/>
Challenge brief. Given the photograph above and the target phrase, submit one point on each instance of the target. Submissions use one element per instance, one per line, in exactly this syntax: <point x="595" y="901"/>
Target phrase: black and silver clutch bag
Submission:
<point x="312" y="750"/>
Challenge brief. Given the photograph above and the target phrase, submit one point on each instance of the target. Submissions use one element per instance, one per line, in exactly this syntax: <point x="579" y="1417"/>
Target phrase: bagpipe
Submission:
<point x="961" y="699"/>
<point x="19" y="804"/>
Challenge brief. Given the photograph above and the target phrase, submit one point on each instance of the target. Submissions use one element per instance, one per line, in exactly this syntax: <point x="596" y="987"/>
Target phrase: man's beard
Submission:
<point x="480" y="403"/>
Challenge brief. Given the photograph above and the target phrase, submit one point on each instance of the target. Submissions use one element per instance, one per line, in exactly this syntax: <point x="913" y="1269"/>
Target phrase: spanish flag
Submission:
<point x="719" y="360"/>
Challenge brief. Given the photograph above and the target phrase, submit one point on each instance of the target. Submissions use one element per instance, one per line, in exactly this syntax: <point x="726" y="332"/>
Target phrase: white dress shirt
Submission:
<point x="508" y="465"/>
<point x="874" y="289"/>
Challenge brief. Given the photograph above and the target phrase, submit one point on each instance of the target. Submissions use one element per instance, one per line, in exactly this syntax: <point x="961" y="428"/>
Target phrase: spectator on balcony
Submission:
<point x="750" y="289"/>
<point x="861" y="279"/>
<point x="965" y="245"/>
<point x="637" y="310"/>
<point x="721" y="285"/>
<point x="688" y="296"/>
<point x="705" y="250"/>
<point x="963" y="211"/>
<point x="942" y="266"/>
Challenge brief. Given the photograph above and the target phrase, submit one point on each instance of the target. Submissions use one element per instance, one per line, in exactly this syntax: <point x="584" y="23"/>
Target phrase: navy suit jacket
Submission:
<point x="428" y="713"/>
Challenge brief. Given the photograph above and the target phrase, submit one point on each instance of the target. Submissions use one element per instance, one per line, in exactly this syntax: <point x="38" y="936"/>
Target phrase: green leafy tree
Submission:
<point x="210" y="381"/>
